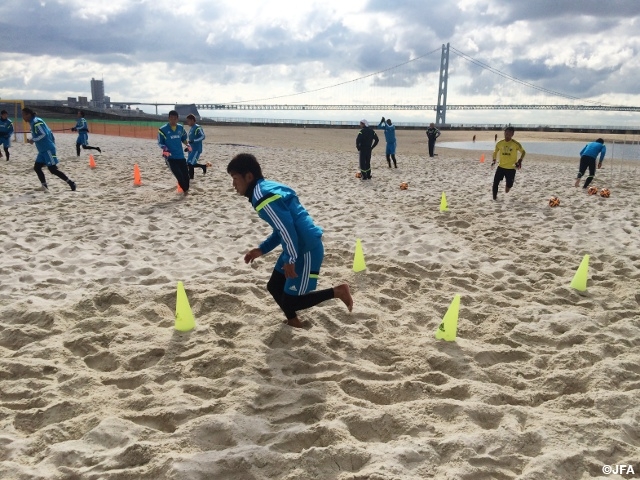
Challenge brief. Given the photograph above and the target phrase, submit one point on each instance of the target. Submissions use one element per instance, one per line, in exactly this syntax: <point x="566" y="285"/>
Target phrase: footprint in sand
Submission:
<point x="145" y="359"/>
<point x="102" y="362"/>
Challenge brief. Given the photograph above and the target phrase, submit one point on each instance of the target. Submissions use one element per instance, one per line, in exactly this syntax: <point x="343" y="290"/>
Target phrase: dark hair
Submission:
<point x="173" y="112"/>
<point x="244" y="163"/>
<point x="81" y="112"/>
<point x="510" y="129"/>
<point x="29" y="111"/>
<point x="191" y="116"/>
<point x="600" y="140"/>
<point x="3" y="112"/>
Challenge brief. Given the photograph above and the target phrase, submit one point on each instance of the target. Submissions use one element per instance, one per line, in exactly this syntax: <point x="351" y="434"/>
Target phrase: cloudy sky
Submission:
<point x="376" y="51"/>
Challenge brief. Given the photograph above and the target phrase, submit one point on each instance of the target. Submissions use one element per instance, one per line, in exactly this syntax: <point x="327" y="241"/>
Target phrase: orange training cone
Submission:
<point x="92" y="162"/>
<point x="137" y="181"/>
<point x="482" y="158"/>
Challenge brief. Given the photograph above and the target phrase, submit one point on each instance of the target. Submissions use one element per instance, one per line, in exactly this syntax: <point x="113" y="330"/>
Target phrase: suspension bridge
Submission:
<point x="235" y="106"/>
<point x="440" y="108"/>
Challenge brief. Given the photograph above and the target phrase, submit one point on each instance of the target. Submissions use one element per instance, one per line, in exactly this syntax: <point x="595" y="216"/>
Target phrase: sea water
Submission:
<point x="626" y="151"/>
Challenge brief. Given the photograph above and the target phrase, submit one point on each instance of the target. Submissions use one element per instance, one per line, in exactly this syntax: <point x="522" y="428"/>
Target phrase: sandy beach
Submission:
<point x="542" y="382"/>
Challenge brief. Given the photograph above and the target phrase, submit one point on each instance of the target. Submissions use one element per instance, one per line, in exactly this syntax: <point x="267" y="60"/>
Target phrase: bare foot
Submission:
<point x="343" y="293"/>
<point x="577" y="182"/>
<point x="294" y="322"/>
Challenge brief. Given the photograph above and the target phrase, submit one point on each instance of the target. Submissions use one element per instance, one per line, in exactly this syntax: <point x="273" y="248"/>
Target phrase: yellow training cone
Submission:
<point x="184" y="316"/>
<point x="443" y="203"/>
<point x="449" y="325"/>
<point x="358" y="258"/>
<point x="579" y="281"/>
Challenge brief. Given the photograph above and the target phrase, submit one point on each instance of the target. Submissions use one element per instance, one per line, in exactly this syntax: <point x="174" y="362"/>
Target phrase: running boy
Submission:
<point x="295" y="275"/>
<point x="508" y="163"/>
<point x="45" y="143"/>
<point x="171" y="136"/>
<point x="588" y="160"/>
<point x="6" y="130"/>
<point x="83" y="134"/>
<point x="196" y="136"/>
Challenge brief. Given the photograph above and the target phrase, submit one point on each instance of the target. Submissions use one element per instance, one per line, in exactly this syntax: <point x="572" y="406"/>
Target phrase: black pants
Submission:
<point x="52" y="169"/>
<point x="179" y="169"/>
<point x="432" y="144"/>
<point x="391" y="157"/>
<point x="193" y="167"/>
<point x="590" y="163"/>
<point x="84" y="147"/>
<point x="508" y="173"/>
<point x="6" y="152"/>
<point x="365" y="163"/>
<point x="290" y="304"/>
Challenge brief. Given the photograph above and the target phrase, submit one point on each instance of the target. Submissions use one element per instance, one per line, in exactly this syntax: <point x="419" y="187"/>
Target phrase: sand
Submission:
<point x="542" y="382"/>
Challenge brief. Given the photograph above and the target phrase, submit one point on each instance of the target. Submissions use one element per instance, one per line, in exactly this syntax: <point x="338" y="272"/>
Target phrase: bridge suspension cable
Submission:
<point x="232" y="106"/>
<point x="337" y="84"/>
<point x="466" y="57"/>
<point x="252" y="105"/>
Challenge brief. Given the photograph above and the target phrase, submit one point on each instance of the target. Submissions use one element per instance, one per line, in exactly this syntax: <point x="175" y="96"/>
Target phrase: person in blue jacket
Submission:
<point x="6" y="130"/>
<point x="83" y="134"/>
<point x="171" y="137"/>
<point x="588" y="157"/>
<point x="42" y="137"/>
<point x="390" y="137"/>
<point x="195" y="136"/>
<point x="295" y="275"/>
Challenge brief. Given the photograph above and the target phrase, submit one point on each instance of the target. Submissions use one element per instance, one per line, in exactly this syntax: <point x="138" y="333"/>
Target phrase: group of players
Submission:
<point x="507" y="150"/>
<point x="171" y="138"/>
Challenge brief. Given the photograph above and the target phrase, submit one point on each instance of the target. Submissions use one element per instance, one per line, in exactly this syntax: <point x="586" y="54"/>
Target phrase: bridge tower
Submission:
<point x="441" y="112"/>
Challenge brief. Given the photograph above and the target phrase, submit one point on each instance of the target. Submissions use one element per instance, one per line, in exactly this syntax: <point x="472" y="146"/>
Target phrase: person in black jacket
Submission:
<point x="366" y="141"/>
<point x="432" y="134"/>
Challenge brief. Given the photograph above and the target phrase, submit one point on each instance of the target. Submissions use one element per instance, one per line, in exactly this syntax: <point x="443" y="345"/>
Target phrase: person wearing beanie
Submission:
<point x="432" y="134"/>
<point x="366" y="141"/>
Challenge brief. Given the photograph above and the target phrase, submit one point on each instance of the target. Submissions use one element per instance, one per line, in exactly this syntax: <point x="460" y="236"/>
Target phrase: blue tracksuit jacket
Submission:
<point x="389" y="132"/>
<point x="593" y="149"/>
<point x="83" y="131"/>
<point x="6" y="128"/>
<point x="293" y="228"/>
<point x="196" y="136"/>
<point x="45" y="143"/>
<point x="172" y="140"/>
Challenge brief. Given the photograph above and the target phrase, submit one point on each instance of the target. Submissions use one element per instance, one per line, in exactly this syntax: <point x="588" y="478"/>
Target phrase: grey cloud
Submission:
<point x="568" y="9"/>
<point x="142" y="35"/>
